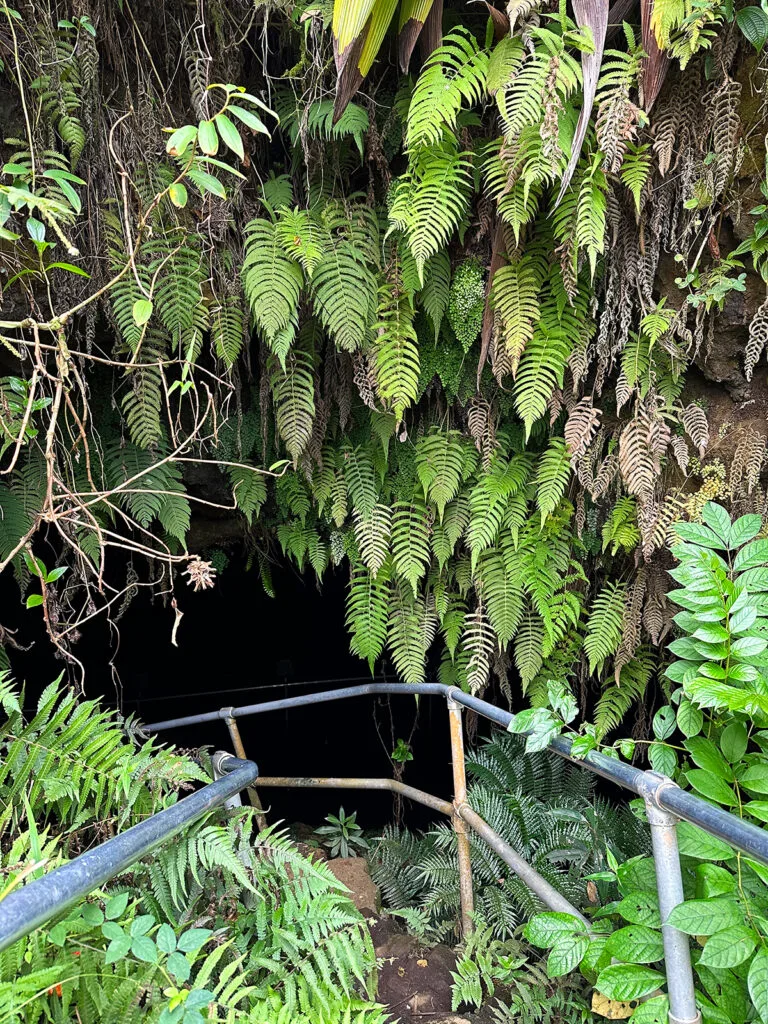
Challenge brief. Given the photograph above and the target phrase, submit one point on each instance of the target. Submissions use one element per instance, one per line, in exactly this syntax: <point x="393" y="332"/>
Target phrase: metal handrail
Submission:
<point x="32" y="905"/>
<point x="665" y="804"/>
<point x="663" y="792"/>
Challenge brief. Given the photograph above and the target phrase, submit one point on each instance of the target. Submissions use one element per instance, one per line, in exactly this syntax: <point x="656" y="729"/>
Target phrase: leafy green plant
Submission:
<point x="220" y="922"/>
<point x="343" y="837"/>
<point x="544" y="809"/>
<point x="717" y="709"/>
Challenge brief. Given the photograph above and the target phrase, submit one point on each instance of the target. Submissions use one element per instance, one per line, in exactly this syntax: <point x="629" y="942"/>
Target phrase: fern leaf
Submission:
<point x="272" y="281"/>
<point x="294" y="393"/>
<point x="454" y="74"/>
<point x="552" y="475"/>
<point x="603" y="634"/>
<point x="410" y="540"/>
<point x="397" y="353"/>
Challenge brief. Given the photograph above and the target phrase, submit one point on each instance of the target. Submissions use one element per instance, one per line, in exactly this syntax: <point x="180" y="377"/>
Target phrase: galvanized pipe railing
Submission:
<point x="665" y="804"/>
<point x="37" y="902"/>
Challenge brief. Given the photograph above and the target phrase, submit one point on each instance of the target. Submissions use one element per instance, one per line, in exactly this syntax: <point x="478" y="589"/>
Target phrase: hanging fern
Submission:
<point x="272" y="281"/>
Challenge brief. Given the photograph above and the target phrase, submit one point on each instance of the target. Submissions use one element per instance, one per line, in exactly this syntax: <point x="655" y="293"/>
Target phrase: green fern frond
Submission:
<point x="454" y="74"/>
<point x="604" y="632"/>
<point x="272" y="281"/>
<point x="396" y="352"/>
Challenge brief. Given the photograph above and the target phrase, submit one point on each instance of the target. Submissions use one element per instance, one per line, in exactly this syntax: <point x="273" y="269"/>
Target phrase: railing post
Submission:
<point x="253" y="796"/>
<point x="219" y="773"/>
<point x="669" y="885"/>
<point x="459" y="825"/>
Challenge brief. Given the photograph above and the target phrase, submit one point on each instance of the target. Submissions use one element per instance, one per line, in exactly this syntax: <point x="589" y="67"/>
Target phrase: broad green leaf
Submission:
<point x="755" y="778"/>
<point x="640" y="908"/>
<point x="636" y="944"/>
<point x="744" y="529"/>
<point x="178" y="194"/>
<point x="652" y="1011"/>
<point x="566" y="954"/>
<point x="754" y="554"/>
<point x="733" y="741"/>
<point x="729" y="948"/>
<point x="192" y="939"/>
<point x="664" y="723"/>
<point x="699" y="534"/>
<point x="143" y="948"/>
<point x="208" y="138"/>
<point x="758" y="809"/>
<point x="166" y="938"/>
<point x="116" y="906"/>
<point x="706" y="755"/>
<point x="748" y="646"/>
<point x="230" y="135"/>
<point x="716" y="517"/>
<point x="695" y="842"/>
<point x="141" y="925"/>
<point x="34" y="600"/>
<point x="712" y="786"/>
<point x="206" y="182"/>
<point x="543" y="929"/>
<point x="753" y="22"/>
<point x="180" y="140"/>
<point x="179" y="966"/>
<point x="628" y="981"/>
<point x="705" y="917"/>
<point x="249" y="119"/>
<point x="689" y="719"/>
<point x="117" y="949"/>
<point x="663" y="758"/>
<point x="757" y="982"/>
<point x="92" y="915"/>
<point x="712" y="880"/>
<point x="142" y="311"/>
<point x="112" y="930"/>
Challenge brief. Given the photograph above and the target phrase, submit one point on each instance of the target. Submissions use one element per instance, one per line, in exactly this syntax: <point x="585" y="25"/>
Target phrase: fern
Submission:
<point x="430" y="199"/>
<point x="405" y="636"/>
<point x="619" y="696"/>
<point x="343" y="291"/>
<point x="367" y="609"/>
<point x="544" y="808"/>
<point x="294" y="395"/>
<point x="603" y="634"/>
<point x="635" y="170"/>
<point x="303" y="237"/>
<point x="227" y="329"/>
<point x="440" y="466"/>
<point x="454" y="74"/>
<point x="272" y="281"/>
<point x="372" y="533"/>
<point x="515" y="297"/>
<point x="552" y="475"/>
<point x="397" y="353"/>
<point x="434" y="295"/>
<point x="410" y="540"/>
<point x="248" y="489"/>
<point x="541" y="370"/>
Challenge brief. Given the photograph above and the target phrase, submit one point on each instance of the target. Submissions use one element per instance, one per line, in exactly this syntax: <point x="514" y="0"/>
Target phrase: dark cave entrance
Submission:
<point x="236" y="646"/>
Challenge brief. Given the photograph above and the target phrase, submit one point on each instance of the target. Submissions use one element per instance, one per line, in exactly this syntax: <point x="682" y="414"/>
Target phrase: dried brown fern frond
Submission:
<point x="642" y="443"/>
<point x="581" y="427"/>
<point x="696" y="426"/>
<point x="758" y="339"/>
<point x="747" y="462"/>
<point x="632" y="622"/>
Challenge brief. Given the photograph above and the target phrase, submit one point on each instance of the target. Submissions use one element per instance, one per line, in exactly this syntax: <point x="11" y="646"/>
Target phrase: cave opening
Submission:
<point x="237" y="645"/>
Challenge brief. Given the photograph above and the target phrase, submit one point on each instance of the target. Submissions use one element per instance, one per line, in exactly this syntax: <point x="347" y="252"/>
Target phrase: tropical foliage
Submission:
<point x="546" y="810"/>
<point x="221" y="924"/>
<point x="710" y="738"/>
<point x="419" y="336"/>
